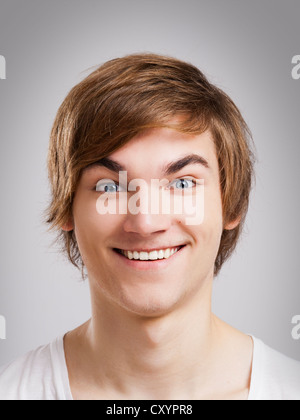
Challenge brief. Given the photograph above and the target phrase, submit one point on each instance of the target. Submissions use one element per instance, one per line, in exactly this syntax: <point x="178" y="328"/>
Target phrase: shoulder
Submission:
<point x="32" y="376"/>
<point x="274" y="375"/>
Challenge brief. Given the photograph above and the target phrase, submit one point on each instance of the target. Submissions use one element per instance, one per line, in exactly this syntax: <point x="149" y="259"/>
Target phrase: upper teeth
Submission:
<point x="153" y="255"/>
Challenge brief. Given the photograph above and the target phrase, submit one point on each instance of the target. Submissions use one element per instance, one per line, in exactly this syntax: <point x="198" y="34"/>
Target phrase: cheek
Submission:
<point x="210" y="231"/>
<point x="213" y="203"/>
<point x="92" y="229"/>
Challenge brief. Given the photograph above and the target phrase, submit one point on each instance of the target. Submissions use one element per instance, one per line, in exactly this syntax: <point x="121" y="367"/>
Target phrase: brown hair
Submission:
<point x="127" y="95"/>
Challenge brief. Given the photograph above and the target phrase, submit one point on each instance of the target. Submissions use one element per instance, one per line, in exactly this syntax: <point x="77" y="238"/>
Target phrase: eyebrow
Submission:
<point x="167" y="169"/>
<point x="110" y="164"/>
<point x="190" y="159"/>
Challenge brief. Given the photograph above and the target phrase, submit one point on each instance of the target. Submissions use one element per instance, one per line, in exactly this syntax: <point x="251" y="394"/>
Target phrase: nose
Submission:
<point x="147" y="224"/>
<point x="144" y="216"/>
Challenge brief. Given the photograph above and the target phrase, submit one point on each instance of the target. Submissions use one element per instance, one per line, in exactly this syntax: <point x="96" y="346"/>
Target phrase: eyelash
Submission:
<point x="174" y="181"/>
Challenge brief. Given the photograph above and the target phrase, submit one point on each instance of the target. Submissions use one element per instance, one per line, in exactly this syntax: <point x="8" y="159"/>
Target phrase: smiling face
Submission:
<point x="126" y="254"/>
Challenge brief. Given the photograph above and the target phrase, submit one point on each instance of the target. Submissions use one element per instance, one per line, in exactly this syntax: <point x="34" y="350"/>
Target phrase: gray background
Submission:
<point x="246" y="48"/>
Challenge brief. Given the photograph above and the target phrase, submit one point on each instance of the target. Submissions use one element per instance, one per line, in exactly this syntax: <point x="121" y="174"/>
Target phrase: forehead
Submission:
<point x="156" y="147"/>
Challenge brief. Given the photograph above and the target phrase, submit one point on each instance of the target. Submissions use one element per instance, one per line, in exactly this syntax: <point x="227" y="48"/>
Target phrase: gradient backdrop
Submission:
<point x="246" y="48"/>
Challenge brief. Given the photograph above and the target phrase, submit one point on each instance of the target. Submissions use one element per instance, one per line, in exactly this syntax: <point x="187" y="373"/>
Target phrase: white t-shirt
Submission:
<point x="42" y="375"/>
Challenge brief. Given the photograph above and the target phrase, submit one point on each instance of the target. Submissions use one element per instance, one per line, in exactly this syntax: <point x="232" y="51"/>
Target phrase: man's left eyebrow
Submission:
<point x="177" y="165"/>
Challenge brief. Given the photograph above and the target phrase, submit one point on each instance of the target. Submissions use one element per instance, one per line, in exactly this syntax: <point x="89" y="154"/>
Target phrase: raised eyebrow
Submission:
<point x="168" y="169"/>
<point x="109" y="164"/>
<point x="177" y="165"/>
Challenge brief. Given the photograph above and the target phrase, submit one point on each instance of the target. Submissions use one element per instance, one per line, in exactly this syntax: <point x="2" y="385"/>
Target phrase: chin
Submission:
<point x="150" y="311"/>
<point x="150" y="306"/>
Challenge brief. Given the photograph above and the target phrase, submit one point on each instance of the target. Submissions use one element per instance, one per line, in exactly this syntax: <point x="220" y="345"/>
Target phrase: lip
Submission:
<point x="149" y="265"/>
<point x="152" y="249"/>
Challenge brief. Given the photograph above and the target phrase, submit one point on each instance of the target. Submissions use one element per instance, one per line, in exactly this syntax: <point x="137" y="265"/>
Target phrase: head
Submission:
<point x="126" y="101"/>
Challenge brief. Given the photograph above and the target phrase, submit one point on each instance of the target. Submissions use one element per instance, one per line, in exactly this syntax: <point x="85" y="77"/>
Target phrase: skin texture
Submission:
<point x="152" y="334"/>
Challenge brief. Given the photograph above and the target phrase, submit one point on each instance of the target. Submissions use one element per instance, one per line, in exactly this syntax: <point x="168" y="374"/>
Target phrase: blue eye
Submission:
<point x="183" y="183"/>
<point x="108" y="186"/>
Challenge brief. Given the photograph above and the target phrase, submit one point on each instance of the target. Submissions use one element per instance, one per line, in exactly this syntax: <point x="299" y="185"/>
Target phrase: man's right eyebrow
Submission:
<point x="110" y="164"/>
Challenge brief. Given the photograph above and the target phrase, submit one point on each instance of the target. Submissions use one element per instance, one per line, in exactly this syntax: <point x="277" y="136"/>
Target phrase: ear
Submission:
<point x="232" y="225"/>
<point x="67" y="227"/>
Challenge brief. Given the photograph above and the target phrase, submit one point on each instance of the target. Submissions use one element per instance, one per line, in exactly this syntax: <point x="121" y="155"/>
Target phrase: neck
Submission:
<point x="153" y="356"/>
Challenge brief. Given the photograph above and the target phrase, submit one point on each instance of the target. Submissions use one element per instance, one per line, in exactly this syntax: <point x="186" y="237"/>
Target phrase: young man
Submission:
<point x="150" y="253"/>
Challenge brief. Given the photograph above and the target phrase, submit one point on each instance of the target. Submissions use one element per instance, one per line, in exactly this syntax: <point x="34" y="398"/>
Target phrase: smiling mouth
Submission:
<point x="155" y="255"/>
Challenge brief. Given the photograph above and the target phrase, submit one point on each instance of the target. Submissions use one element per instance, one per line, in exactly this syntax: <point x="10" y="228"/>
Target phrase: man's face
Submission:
<point x="158" y="285"/>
